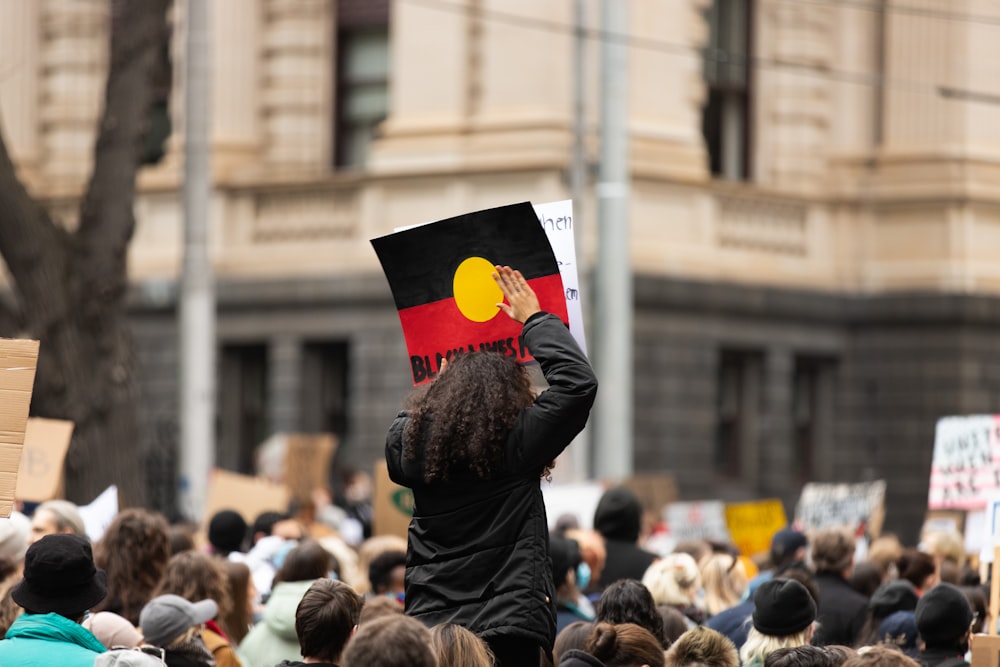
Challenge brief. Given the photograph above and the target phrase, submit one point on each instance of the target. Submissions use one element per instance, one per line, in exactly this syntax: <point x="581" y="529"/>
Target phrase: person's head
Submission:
<point x="227" y="530"/>
<point x="724" y="579"/>
<point x="308" y="560"/>
<point x="625" y="645"/>
<point x="380" y="606"/>
<point x="839" y="654"/>
<point x="618" y="515"/>
<point x="112" y="630"/>
<point x="134" y="550"/>
<point x="565" y="555"/>
<point x="56" y="516"/>
<point x="457" y="647"/>
<point x="885" y="550"/>
<point x="195" y="576"/>
<point x="15" y="536"/>
<point x="60" y="577"/>
<point x="674" y="580"/>
<point x="881" y="656"/>
<point x="944" y="618"/>
<point x="574" y="636"/>
<point x="593" y="552"/>
<point x="181" y="537"/>
<point x="897" y="595"/>
<point x="326" y="618"/>
<point x="675" y="623"/>
<point x="833" y="551"/>
<point x="456" y="398"/>
<point x="628" y="601"/>
<point x="788" y="546"/>
<point x="783" y="616"/>
<point x="263" y="525"/>
<point x="799" y="656"/>
<point x="899" y="630"/>
<point x="918" y="568"/>
<point x="946" y="546"/>
<point x="387" y="573"/>
<point x="167" y="620"/>
<point x="702" y="647"/>
<point x="866" y="578"/>
<point x="391" y="641"/>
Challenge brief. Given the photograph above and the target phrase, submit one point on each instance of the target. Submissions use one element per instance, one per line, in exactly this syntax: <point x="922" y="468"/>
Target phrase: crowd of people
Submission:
<point x="480" y="581"/>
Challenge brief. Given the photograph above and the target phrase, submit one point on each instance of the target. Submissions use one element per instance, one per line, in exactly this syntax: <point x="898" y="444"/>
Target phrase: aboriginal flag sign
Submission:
<point x="441" y="276"/>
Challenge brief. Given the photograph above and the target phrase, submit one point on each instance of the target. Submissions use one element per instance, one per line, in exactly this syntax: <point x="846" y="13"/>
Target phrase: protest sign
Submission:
<point x="965" y="468"/>
<point x="250" y="496"/>
<point x="393" y="504"/>
<point x="697" y="521"/>
<point x="655" y="490"/>
<point x="307" y="463"/>
<point x="842" y="505"/>
<point x="556" y="219"/>
<point x="442" y="283"/>
<point x="18" y="359"/>
<point x="752" y="525"/>
<point x="580" y="500"/>
<point x="40" y="475"/>
<point x="99" y="514"/>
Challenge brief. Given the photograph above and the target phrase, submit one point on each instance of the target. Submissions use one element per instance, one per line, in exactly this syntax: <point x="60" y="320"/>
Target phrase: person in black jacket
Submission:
<point x="842" y="610"/>
<point x="472" y="446"/>
<point x="618" y="518"/>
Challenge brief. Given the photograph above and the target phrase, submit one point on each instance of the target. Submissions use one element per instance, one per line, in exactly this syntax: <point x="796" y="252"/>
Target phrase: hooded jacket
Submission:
<point x="42" y="640"/>
<point x="618" y="518"/>
<point x="478" y="549"/>
<point x="578" y="658"/>
<point x="274" y="639"/>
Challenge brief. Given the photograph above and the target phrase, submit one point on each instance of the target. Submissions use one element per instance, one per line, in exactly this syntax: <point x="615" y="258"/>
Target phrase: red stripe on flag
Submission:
<point x="439" y="330"/>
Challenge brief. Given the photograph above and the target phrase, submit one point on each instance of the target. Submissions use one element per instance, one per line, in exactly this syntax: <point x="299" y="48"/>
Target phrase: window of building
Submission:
<point x="812" y="407"/>
<point x="242" y="405"/>
<point x="362" y="88"/>
<point x="738" y="388"/>
<point x="325" y="388"/>
<point x="728" y="76"/>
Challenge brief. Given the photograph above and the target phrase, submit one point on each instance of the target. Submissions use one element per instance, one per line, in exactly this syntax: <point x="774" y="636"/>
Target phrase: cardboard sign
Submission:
<point x="985" y="650"/>
<point x="18" y="359"/>
<point x="697" y="521"/>
<point x="655" y="490"/>
<point x="556" y="219"/>
<point x="393" y="504"/>
<point x="441" y="280"/>
<point x="250" y="496"/>
<point x="307" y="463"/>
<point x="842" y="506"/>
<point x="40" y="475"/>
<point x="965" y="468"/>
<point x="752" y="525"/>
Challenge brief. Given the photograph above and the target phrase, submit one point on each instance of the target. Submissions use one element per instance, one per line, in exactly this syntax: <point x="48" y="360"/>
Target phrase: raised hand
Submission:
<point x="522" y="300"/>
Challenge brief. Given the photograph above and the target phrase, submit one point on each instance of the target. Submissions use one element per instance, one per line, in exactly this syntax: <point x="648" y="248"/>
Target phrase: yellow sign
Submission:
<point x="752" y="525"/>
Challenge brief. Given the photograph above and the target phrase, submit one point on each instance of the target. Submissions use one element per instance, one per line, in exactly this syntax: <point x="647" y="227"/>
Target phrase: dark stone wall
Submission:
<point x="897" y="363"/>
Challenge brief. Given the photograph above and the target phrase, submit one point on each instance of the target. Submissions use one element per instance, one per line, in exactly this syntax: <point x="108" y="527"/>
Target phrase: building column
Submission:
<point x="776" y="432"/>
<point x="284" y="358"/>
<point x="19" y="74"/>
<point x="235" y="101"/>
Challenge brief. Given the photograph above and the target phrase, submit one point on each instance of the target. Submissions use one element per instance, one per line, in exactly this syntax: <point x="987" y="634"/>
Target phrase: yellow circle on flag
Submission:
<point x="476" y="293"/>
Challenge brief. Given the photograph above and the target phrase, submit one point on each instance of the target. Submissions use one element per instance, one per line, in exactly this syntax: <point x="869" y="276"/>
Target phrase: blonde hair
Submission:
<point x="724" y="578"/>
<point x="758" y="645"/>
<point x="673" y="580"/>
<point x="457" y="647"/>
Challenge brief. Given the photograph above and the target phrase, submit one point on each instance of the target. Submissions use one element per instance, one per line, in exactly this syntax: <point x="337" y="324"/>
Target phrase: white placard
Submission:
<point x="557" y="221"/>
<point x="697" y="521"/>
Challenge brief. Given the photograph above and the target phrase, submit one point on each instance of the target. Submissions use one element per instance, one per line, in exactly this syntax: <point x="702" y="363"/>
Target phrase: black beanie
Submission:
<point x="782" y="607"/>
<point x="226" y="531"/>
<point x="898" y="595"/>
<point x="943" y="616"/>
<point x="618" y="515"/>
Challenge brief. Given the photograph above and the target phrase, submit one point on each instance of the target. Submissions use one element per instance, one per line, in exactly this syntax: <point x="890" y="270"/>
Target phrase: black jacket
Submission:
<point x="578" y="658"/>
<point x="618" y="518"/>
<point x="841" y="611"/>
<point x="478" y="550"/>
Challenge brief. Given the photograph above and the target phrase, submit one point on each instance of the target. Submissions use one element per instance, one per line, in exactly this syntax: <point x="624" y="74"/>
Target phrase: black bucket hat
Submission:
<point x="60" y="577"/>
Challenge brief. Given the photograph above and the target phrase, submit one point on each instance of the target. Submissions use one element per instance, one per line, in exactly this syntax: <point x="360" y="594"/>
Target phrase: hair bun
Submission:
<point x="603" y="641"/>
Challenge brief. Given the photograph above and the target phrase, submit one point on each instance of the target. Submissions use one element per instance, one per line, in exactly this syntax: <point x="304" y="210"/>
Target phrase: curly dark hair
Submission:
<point x="134" y="552"/>
<point x="460" y="422"/>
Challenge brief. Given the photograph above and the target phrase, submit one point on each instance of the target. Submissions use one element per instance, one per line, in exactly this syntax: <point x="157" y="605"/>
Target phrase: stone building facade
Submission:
<point x="815" y="212"/>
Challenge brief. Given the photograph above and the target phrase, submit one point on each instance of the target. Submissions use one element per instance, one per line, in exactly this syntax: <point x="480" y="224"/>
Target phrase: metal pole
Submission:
<point x="578" y="188"/>
<point x="197" y="293"/>
<point x="613" y="435"/>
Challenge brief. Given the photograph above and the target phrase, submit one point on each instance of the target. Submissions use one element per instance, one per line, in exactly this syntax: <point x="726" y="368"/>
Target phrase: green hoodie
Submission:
<point x="43" y="640"/>
<point x="274" y="639"/>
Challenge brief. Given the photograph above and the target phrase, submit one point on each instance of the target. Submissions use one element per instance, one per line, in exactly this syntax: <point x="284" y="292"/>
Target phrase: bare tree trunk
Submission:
<point x="71" y="287"/>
